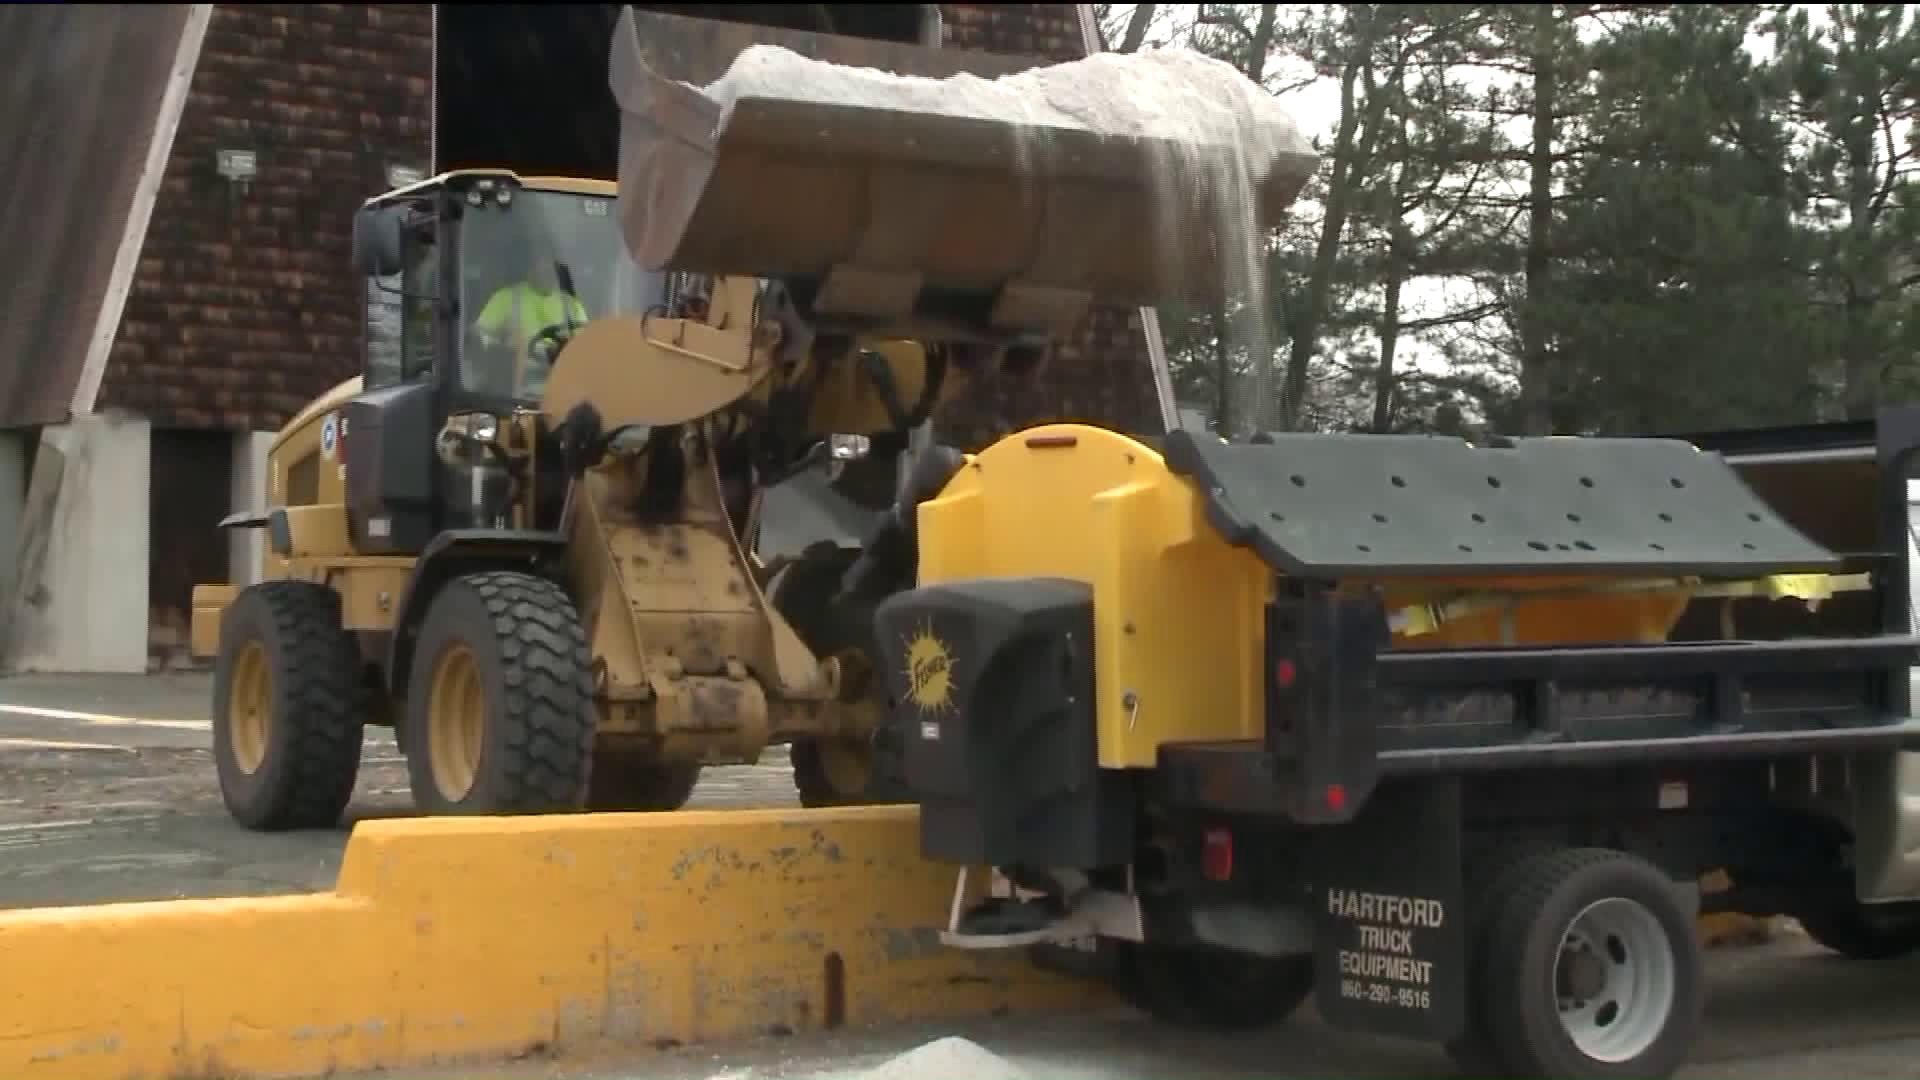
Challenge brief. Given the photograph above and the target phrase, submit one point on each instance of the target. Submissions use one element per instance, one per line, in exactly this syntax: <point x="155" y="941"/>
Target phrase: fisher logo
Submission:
<point x="329" y="435"/>
<point x="929" y="672"/>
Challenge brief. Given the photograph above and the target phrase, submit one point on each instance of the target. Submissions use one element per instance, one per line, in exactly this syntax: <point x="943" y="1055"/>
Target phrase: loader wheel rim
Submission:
<point x="1614" y="978"/>
<point x="456" y="722"/>
<point x="250" y="707"/>
<point x="847" y="766"/>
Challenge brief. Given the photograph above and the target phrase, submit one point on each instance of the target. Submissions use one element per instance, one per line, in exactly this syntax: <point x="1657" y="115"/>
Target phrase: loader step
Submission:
<point x="1329" y="506"/>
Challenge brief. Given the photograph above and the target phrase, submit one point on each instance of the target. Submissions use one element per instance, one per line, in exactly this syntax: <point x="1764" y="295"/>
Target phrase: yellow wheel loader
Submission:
<point x="525" y="536"/>
<point x="556" y="609"/>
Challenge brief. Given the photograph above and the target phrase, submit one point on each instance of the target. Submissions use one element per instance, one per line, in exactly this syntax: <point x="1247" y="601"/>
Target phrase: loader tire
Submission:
<point x="288" y="708"/>
<point x="500" y="714"/>
<point x="629" y="782"/>
<point x="838" y="772"/>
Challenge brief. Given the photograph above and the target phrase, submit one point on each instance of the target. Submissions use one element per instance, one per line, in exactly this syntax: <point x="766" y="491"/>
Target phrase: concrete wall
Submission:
<point x="245" y="550"/>
<point x="80" y="603"/>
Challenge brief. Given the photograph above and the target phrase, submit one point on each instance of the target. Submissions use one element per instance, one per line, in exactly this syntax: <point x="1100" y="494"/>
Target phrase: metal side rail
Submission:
<point x="1238" y="776"/>
<point x="1466" y="704"/>
<point x="1487" y="709"/>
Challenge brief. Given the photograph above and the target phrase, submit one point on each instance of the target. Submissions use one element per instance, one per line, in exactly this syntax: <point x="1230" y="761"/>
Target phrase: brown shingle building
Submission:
<point x="190" y="174"/>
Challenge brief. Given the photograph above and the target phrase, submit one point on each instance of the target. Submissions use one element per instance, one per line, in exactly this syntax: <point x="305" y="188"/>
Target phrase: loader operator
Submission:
<point x="532" y="308"/>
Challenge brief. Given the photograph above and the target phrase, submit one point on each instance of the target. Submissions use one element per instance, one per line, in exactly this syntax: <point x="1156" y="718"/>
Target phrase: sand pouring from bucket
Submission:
<point x="943" y="194"/>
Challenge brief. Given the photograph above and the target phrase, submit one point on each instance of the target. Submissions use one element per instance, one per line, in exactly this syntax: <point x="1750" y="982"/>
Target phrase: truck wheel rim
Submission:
<point x="250" y="707"/>
<point x="456" y="715"/>
<point x="1614" y="980"/>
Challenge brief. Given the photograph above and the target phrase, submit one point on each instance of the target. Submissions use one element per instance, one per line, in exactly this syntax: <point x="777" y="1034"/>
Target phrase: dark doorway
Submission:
<point x="189" y="488"/>
<point x="524" y="86"/>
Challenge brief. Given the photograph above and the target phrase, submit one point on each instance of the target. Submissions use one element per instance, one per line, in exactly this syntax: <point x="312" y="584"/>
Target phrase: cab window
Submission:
<point x="419" y="283"/>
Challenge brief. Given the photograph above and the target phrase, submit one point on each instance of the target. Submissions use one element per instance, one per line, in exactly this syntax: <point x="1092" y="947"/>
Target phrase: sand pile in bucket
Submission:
<point x="1175" y="95"/>
<point x="1213" y="138"/>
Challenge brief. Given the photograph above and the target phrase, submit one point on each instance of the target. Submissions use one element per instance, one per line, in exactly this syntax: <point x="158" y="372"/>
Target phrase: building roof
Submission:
<point x="95" y="91"/>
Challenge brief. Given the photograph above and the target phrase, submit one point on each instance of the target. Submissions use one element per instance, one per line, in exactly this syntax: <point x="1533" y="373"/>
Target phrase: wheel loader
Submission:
<point x="525" y="537"/>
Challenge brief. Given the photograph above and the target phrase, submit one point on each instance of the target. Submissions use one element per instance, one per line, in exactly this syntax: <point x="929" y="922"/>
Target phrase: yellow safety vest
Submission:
<point x="530" y="310"/>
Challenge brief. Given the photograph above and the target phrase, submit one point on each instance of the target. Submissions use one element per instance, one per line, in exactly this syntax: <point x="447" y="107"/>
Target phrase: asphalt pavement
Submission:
<point x="107" y="792"/>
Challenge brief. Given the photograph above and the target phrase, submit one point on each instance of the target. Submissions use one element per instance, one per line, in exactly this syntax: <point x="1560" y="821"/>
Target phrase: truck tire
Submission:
<point x="287" y="708"/>
<point x="1860" y="932"/>
<point x="1592" y="969"/>
<point x="1488" y="881"/>
<point x="627" y="782"/>
<point x="499" y="703"/>
<point x="1211" y="989"/>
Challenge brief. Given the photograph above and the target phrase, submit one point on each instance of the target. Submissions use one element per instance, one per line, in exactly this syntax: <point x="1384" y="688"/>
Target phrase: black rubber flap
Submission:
<point x="1349" y="505"/>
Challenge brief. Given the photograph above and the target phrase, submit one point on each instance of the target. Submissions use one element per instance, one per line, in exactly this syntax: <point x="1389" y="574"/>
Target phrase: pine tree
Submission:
<point x="1851" y="86"/>
<point x="1681" y="298"/>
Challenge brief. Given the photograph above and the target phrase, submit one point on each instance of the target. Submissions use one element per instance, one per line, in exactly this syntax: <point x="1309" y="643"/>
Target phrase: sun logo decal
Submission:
<point x="929" y="672"/>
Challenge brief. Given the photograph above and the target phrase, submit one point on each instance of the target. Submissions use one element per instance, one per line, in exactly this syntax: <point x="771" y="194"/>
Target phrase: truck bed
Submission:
<point x="1483" y="709"/>
<point x="1796" y="680"/>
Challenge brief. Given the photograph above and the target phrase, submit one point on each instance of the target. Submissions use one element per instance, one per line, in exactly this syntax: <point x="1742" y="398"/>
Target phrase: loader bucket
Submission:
<point x="888" y="217"/>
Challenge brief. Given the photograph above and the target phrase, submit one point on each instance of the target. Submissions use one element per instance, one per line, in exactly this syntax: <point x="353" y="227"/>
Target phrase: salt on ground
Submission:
<point x="951" y="1058"/>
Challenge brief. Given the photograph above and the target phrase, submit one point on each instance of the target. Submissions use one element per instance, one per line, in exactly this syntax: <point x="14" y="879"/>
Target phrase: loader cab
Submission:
<point x="474" y="282"/>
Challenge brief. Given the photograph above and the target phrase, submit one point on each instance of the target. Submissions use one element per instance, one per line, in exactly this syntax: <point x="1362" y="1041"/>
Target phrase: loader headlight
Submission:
<point x="480" y="427"/>
<point x="462" y="441"/>
<point x="848" y="447"/>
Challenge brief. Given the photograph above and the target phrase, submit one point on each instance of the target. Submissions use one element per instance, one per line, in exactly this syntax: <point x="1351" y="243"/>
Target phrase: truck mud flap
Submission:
<point x="1313" y="505"/>
<point x="1390" y="919"/>
<point x="880" y="215"/>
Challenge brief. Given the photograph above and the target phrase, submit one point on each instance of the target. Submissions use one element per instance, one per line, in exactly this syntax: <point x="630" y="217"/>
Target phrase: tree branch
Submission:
<point x="1137" y="25"/>
<point x="1464" y="315"/>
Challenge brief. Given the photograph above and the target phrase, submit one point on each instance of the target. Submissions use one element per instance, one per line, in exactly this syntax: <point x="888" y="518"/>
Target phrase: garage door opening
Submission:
<point x="524" y="86"/>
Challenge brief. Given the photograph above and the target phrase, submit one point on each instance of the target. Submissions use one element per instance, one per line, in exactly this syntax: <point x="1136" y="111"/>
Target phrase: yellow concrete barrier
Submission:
<point x="467" y="938"/>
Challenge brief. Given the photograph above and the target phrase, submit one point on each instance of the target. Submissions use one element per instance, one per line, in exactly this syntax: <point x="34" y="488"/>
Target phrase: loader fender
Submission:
<point x="450" y="554"/>
<point x="210" y="604"/>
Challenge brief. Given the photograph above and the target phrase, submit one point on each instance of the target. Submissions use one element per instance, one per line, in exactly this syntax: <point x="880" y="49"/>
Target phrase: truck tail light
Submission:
<point x="1216" y="855"/>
